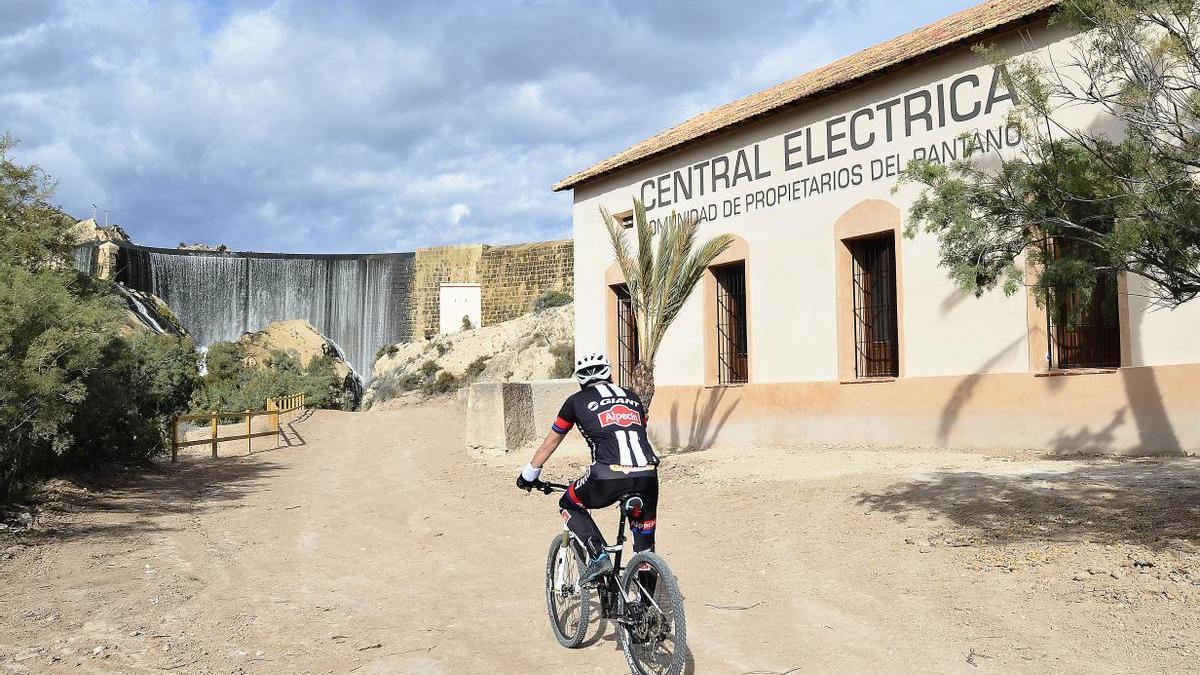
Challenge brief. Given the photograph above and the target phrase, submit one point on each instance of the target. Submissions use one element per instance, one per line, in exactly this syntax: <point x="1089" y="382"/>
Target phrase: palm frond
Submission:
<point x="661" y="279"/>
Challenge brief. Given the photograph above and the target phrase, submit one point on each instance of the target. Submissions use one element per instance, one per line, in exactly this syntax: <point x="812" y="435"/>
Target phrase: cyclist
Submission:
<point x="613" y="422"/>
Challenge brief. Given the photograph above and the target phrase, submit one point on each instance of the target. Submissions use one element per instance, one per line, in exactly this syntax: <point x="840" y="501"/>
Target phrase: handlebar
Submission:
<point x="547" y="488"/>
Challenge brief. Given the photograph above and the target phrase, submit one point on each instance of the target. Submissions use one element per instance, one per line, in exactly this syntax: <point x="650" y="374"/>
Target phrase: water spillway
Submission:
<point x="361" y="302"/>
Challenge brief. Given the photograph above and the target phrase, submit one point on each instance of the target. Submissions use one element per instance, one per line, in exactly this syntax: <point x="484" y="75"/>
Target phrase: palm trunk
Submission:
<point x="643" y="383"/>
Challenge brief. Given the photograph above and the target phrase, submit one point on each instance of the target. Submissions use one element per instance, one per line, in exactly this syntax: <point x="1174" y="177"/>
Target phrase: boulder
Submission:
<point x="88" y="232"/>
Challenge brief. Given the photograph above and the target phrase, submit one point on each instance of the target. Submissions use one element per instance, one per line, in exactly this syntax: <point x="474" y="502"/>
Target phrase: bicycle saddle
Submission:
<point x="632" y="504"/>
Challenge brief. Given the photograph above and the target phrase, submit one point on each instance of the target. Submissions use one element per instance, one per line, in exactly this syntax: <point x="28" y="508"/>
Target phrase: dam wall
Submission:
<point x="360" y="301"/>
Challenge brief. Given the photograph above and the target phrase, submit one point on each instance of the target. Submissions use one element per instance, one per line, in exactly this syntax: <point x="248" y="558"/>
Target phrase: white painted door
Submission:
<point x="457" y="301"/>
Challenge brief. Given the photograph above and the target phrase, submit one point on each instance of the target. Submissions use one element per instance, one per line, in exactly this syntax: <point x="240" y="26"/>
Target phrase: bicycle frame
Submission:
<point x="616" y="550"/>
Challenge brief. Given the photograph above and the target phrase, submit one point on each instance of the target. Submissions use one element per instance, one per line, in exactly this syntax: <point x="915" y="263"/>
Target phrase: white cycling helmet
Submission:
<point x="592" y="367"/>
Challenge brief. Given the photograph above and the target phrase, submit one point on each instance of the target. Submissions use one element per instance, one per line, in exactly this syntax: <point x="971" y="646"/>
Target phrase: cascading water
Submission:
<point x="360" y="302"/>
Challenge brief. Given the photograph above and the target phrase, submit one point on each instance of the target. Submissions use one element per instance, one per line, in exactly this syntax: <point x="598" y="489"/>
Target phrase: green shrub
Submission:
<point x="147" y="378"/>
<point x="443" y="383"/>
<point x="231" y="384"/>
<point x="387" y="350"/>
<point x="551" y="299"/>
<point x="564" y="360"/>
<point x="429" y="368"/>
<point x="475" y="369"/>
<point x="466" y="324"/>
<point x="73" y="389"/>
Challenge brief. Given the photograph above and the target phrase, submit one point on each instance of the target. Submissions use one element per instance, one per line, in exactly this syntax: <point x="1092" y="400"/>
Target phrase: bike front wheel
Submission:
<point x="567" y="603"/>
<point x="653" y="633"/>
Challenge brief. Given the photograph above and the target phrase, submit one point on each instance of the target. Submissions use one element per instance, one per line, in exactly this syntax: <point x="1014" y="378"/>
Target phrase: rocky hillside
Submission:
<point x="535" y="346"/>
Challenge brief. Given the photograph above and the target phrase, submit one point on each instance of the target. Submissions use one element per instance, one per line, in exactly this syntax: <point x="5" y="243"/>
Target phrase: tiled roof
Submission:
<point x="927" y="41"/>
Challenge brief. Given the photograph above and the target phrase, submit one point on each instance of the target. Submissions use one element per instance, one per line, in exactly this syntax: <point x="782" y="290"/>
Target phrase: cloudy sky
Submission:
<point x="372" y="125"/>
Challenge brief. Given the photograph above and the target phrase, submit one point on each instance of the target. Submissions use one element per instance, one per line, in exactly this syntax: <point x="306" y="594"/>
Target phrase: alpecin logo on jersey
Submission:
<point x="621" y="416"/>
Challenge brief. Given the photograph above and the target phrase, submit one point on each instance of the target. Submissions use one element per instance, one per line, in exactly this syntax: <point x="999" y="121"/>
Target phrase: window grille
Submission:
<point x="627" y="338"/>
<point x="1093" y="339"/>
<point x="876" y="347"/>
<point x="732" y="352"/>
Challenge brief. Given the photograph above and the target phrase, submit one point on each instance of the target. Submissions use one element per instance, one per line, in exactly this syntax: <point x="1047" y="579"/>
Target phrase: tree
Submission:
<point x="1120" y="195"/>
<point x="73" y="389"/>
<point x="659" y="281"/>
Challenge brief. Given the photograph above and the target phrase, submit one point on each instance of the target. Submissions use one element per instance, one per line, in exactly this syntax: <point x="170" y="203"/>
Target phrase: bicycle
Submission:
<point x="642" y="598"/>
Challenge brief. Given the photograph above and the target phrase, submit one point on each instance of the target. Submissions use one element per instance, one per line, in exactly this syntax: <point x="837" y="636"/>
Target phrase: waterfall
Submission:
<point x="360" y="302"/>
<point x="84" y="259"/>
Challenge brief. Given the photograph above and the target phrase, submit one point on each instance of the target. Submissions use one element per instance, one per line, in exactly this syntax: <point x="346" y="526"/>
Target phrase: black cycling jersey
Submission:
<point x="612" y="421"/>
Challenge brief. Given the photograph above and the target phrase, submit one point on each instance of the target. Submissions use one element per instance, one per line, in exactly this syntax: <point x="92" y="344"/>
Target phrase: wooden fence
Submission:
<point x="275" y="408"/>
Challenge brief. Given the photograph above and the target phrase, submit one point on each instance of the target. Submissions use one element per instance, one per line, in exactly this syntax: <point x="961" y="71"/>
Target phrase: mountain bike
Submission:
<point x="642" y="598"/>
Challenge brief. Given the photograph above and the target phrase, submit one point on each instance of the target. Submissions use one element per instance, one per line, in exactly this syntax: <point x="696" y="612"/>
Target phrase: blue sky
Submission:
<point x="373" y="125"/>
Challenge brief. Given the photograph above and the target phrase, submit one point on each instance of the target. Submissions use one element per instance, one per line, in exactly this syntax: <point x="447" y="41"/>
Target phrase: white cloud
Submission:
<point x="368" y="124"/>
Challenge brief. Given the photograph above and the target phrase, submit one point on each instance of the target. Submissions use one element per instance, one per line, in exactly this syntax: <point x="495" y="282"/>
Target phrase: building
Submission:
<point x="822" y="323"/>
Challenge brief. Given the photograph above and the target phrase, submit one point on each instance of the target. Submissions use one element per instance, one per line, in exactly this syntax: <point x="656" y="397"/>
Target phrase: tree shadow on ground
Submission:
<point x="119" y="502"/>
<point x="1155" y="503"/>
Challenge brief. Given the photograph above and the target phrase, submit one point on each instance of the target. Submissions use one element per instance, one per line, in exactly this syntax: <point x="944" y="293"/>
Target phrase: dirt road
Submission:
<point x="381" y="546"/>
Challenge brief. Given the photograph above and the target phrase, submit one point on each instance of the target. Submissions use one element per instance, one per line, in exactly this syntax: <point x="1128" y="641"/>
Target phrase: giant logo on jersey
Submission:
<point x="620" y="415"/>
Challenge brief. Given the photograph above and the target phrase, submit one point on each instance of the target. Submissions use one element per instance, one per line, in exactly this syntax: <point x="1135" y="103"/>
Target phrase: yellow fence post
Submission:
<point x="214" y="434"/>
<point x="273" y="419"/>
<point x="174" y="438"/>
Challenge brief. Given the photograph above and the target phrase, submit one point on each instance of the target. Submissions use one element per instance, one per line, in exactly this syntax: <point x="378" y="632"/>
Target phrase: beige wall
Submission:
<point x="947" y="338"/>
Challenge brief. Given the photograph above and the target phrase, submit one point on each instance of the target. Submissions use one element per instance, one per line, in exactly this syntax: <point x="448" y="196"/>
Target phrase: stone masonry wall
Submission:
<point x="512" y="277"/>
<point x="433" y="267"/>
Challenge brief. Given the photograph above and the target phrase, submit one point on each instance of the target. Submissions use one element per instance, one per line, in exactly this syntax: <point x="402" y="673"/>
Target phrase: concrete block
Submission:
<point x="485" y="417"/>
<point x="508" y="416"/>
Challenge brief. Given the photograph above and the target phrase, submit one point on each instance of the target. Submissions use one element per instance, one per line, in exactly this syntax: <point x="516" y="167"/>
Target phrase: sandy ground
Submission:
<point x="376" y="544"/>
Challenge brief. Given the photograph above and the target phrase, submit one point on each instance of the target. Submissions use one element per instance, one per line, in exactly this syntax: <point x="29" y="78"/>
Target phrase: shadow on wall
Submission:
<point x="1150" y="502"/>
<point x="706" y="420"/>
<point x="1156" y="435"/>
<point x="965" y="390"/>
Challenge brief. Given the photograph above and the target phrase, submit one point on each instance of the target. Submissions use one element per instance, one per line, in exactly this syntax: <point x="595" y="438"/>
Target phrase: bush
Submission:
<point x="475" y="369"/>
<point x="147" y="379"/>
<point x="564" y="360"/>
<point x="233" y="384"/>
<point x="73" y="388"/>
<point x="387" y="350"/>
<point x="551" y="299"/>
<point x="466" y="324"/>
<point x="442" y="384"/>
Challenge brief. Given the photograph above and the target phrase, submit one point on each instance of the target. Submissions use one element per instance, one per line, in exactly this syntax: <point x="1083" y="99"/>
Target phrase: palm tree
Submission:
<point x="659" y="282"/>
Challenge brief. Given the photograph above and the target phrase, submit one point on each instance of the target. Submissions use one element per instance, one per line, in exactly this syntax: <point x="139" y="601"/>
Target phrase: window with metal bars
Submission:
<point x="732" y="349"/>
<point x="1085" y="335"/>
<point x="876" y="343"/>
<point x="627" y="337"/>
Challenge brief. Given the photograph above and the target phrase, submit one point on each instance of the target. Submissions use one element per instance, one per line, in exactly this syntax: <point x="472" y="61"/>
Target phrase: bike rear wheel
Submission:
<point x="567" y="603"/>
<point x="654" y="633"/>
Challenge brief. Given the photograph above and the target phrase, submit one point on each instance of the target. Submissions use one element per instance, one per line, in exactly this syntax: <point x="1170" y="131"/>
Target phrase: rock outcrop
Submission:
<point x="106" y="240"/>
<point x="535" y="346"/>
<point x="219" y="248"/>
<point x="146" y="312"/>
<point x="300" y="338"/>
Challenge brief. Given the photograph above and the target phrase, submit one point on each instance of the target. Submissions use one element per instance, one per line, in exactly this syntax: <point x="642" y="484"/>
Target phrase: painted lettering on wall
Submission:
<point x="756" y="185"/>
